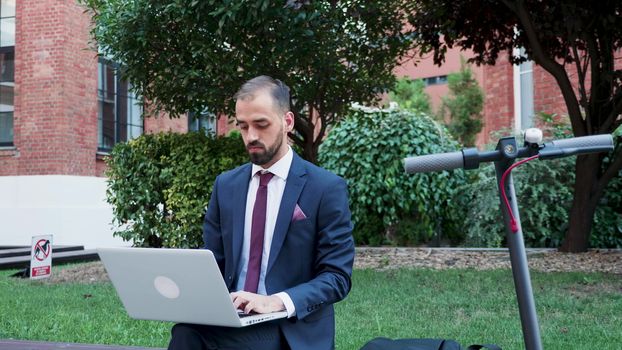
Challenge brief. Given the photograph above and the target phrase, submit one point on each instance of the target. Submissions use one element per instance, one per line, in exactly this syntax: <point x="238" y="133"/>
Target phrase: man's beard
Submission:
<point x="269" y="153"/>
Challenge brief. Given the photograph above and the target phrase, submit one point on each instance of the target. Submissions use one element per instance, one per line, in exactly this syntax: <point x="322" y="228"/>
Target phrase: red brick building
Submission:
<point x="65" y="108"/>
<point x="513" y="94"/>
<point x="61" y="111"/>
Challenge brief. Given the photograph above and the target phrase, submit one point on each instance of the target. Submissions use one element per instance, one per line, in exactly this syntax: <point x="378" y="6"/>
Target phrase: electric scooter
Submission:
<point x="504" y="157"/>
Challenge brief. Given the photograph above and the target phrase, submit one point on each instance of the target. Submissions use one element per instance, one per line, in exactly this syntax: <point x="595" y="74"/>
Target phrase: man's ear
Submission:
<point x="289" y="121"/>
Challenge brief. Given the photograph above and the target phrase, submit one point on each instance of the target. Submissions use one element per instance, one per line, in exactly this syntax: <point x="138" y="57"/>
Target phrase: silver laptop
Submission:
<point x="179" y="285"/>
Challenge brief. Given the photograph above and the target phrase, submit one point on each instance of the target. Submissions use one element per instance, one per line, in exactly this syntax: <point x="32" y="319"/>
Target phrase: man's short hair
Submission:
<point x="277" y="88"/>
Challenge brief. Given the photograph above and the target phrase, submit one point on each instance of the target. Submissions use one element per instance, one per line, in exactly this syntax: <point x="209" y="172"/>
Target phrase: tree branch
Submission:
<point x="294" y="137"/>
<point x="612" y="122"/>
<point x="301" y="124"/>
<point x="320" y="135"/>
<point x="581" y="72"/>
<point x="550" y="65"/>
<point x="594" y="52"/>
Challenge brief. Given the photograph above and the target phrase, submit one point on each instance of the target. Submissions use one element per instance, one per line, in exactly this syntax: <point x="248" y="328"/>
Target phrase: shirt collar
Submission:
<point x="280" y="168"/>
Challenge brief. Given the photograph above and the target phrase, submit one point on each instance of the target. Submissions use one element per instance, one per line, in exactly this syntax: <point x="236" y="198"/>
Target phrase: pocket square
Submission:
<point x="298" y="214"/>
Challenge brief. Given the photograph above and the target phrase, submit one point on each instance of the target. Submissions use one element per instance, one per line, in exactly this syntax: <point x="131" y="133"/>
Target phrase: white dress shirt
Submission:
<point x="276" y="187"/>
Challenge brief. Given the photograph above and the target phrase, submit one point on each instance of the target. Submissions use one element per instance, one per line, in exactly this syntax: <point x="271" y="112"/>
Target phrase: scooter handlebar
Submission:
<point x="577" y="145"/>
<point x="434" y="162"/>
<point x="592" y="141"/>
<point x="553" y="149"/>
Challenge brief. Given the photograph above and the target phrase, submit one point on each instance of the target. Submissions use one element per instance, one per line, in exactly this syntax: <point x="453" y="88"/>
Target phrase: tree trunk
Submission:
<point x="586" y="197"/>
<point x="310" y="151"/>
<point x="304" y="133"/>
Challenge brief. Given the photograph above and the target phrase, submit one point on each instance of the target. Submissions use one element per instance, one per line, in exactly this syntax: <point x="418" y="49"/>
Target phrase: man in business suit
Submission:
<point x="304" y="263"/>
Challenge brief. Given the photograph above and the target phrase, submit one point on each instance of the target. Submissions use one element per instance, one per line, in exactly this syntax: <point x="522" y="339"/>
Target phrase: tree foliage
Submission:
<point x="367" y="149"/>
<point x="575" y="41"/>
<point x="188" y="55"/>
<point x="410" y="95"/>
<point x="463" y="105"/>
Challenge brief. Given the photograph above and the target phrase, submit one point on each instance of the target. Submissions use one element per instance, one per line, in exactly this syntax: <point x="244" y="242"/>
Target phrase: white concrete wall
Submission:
<point x="72" y="208"/>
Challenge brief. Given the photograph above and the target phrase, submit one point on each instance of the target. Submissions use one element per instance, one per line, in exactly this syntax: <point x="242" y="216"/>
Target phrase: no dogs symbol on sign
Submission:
<point x="42" y="249"/>
<point x="41" y="257"/>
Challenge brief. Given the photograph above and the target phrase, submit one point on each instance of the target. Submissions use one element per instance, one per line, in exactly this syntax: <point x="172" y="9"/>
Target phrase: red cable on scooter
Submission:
<point x="513" y="224"/>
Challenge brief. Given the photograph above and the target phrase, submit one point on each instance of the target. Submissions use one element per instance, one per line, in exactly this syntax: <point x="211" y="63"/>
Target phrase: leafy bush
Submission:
<point x="544" y="196"/>
<point x="607" y="227"/>
<point x="159" y="185"/>
<point x="544" y="192"/>
<point x="367" y="148"/>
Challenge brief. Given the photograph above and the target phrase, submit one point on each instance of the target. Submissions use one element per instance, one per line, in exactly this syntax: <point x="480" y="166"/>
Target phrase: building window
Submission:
<point x="441" y="79"/>
<point x="119" y="109"/>
<point x="7" y="23"/>
<point x="7" y="70"/>
<point x="205" y="121"/>
<point x="526" y="94"/>
<point x="524" y="110"/>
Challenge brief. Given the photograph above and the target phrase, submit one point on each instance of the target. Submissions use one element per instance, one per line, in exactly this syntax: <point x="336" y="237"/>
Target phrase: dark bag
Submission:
<point x="420" y="344"/>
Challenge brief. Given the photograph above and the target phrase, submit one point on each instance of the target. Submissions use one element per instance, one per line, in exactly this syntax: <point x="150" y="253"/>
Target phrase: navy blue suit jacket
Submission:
<point x="310" y="259"/>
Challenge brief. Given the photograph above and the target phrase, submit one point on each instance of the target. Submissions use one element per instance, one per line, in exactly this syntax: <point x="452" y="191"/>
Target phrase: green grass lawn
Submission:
<point x="576" y="310"/>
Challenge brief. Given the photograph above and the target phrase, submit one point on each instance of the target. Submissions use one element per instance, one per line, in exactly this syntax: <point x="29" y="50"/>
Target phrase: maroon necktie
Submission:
<point x="258" y="227"/>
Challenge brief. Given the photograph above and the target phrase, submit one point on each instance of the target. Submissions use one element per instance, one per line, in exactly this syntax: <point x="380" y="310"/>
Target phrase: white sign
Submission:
<point x="41" y="257"/>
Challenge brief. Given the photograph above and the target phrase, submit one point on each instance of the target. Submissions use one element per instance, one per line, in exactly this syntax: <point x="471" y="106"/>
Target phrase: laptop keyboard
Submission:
<point x="242" y="314"/>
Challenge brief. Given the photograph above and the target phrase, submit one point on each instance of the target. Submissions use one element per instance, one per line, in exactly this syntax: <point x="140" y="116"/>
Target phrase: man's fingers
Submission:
<point x="260" y="305"/>
<point x="240" y="298"/>
<point x="239" y="301"/>
<point x="241" y="293"/>
<point x="253" y="305"/>
<point x="249" y="302"/>
<point x="236" y="302"/>
<point x="249" y="307"/>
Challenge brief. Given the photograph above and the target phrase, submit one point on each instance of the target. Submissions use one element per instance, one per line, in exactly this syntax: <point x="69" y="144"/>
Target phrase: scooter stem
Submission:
<point x="516" y="246"/>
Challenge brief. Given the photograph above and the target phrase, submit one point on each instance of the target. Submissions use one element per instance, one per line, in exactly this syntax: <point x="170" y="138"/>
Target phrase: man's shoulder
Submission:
<point x="234" y="174"/>
<point x="317" y="171"/>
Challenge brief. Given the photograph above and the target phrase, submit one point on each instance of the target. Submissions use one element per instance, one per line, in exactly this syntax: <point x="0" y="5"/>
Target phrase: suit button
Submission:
<point x="229" y="278"/>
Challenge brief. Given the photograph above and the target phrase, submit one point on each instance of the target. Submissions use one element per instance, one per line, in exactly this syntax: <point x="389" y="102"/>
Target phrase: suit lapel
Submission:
<point x="239" y="211"/>
<point x="296" y="180"/>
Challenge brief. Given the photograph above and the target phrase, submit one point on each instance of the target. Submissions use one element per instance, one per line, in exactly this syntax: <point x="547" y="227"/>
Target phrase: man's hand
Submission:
<point x="261" y="304"/>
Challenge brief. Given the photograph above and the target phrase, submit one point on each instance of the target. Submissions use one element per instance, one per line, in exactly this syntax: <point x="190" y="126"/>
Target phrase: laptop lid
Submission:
<point x="179" y="285"/>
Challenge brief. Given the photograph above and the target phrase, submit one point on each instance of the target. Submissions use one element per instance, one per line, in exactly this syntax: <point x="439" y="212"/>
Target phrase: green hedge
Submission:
<point x="389" y="206"/>
<point x="607" y="228"/>
<point x="543" y="194"/>
<point x="159" y="185"/>
<point x="544" y="191"/>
